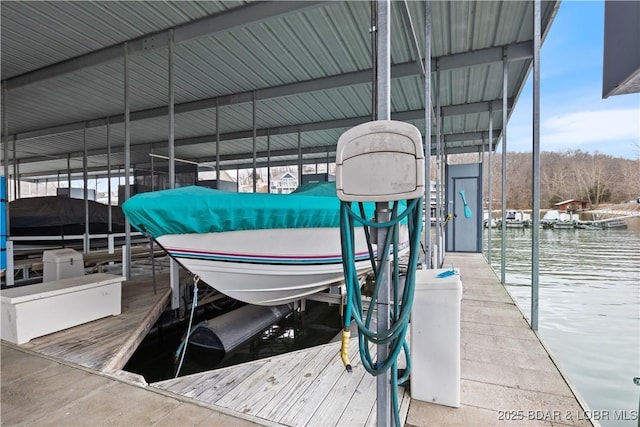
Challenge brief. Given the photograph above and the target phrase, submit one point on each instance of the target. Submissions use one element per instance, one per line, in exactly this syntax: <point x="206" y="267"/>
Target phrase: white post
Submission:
<point x="8" y="275"/>
<point x="383" y="112"/>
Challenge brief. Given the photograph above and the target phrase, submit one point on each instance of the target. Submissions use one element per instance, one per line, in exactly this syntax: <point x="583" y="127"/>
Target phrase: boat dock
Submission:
<point x="107" y="344"/>
<point x="75" y="377"/>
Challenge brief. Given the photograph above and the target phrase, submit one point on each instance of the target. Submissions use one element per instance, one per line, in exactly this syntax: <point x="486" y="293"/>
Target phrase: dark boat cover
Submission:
<point x="60" y="215"/>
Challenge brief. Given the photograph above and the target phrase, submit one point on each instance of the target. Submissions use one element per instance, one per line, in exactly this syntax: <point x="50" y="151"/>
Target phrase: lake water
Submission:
<point x="589" y="309"/>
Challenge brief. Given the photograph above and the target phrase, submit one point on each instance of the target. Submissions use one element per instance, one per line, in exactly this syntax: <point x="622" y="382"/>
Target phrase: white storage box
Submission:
<point x="435" y="338"/>
<point x="61" y="264"/>
<point x="32" y="311"/>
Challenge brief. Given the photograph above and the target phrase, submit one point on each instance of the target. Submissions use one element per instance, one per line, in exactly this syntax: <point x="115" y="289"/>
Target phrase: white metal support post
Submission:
<point x="85" y="190"/>
<point x="490" y="187"/>
<point x="440" y="202"/>
<point x="428" y="111"/>
<point x="254" y="140"/>
<point x="505" y="92"/>
<point x="383" y="112"/>
<point x="174" y="268"/>
<point x="268" y="163"/>
<point x="535" y="214"/>
<point x="16" y="173"/>
<point x="69" y="173"/>
<point x="8" y="275"/>
<point x="218" y="142"/>
<point x="110" y="239"/>
<point x="127" y="163"/>
<point x="299" y="158"/>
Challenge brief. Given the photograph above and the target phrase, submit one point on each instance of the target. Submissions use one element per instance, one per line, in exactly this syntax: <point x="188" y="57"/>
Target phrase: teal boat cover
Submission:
<point x="203" y="210"/>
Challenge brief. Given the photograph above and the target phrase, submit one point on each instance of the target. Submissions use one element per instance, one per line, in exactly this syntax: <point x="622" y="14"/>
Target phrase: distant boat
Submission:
<point x="619" y="222"/>
<point x="260" y="248"/>
<point x="61" y="216"/>
<point x="517" y="219"/>
<point x="554" y="219"/>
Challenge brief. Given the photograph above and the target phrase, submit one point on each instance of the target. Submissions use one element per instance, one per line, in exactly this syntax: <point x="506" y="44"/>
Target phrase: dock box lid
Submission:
<point x="58" y="287"/>
<point x="428" y="280"/>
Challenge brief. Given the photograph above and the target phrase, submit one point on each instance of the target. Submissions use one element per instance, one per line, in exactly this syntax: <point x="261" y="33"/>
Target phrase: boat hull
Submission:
<point x="266" y="267"/>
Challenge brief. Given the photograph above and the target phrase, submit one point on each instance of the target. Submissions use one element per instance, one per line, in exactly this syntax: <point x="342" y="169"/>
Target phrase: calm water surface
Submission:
<point x="589" y="309"/>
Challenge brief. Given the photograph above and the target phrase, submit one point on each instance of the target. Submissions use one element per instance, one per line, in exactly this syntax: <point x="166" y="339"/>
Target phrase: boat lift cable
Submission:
<point x="394" y="337"/>
<point x="182" y="348"/>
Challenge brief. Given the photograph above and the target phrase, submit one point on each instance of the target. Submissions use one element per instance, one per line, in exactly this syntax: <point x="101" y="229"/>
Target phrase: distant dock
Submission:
<point x="75" y="377"/>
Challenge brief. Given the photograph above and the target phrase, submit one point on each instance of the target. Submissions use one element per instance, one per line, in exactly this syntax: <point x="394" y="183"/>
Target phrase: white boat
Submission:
<point x="618" y="222"/>
<point x="517" y="219"/>
<point x="554" y="219"/>
<point x="263" y="249"/>
<point x="266" y="267"/>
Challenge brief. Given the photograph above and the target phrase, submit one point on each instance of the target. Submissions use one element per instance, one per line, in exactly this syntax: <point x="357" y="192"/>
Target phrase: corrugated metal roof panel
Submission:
<point x="320" y="42"/>
<point x="53" y="31"/>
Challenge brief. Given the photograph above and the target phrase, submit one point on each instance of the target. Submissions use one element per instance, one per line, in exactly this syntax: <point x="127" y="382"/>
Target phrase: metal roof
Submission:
<point x="308" y="65"/>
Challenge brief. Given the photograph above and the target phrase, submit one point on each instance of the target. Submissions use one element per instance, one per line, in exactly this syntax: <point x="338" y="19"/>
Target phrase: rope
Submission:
<point x="183" y="345"/>
<point x="400" y="313"/>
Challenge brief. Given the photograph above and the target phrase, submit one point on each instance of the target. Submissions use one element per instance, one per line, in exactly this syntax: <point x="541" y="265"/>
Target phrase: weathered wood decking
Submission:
<point x="507" y="375"/>
<point x="304" y="388"/>
<point x="108" y="343"/>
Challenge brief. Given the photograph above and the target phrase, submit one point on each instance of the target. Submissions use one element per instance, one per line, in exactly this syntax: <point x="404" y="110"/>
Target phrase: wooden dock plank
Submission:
<point x="252" y="395"/>
<point x="360" y="405"/>
<point x="305" y="406"/>
<point x="280" y="403"/>
<point x="106" y="344"/>
<point x="208" y="387"/>
<point x="289" y="389"/>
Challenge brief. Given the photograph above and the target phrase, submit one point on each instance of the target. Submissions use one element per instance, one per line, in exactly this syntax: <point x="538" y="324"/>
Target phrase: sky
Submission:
<point x="573" y="114"/>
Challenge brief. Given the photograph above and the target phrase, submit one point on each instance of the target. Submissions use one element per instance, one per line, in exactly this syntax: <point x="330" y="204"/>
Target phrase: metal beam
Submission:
<point x="235" y="18"/>
<point x="447" y="62"/>
<point x="297" y="88"/>
<point x="280" y="130"/>
<point x="511" y="52"/>
<point x="293" y="152"/>
<point x="475" y="107"/>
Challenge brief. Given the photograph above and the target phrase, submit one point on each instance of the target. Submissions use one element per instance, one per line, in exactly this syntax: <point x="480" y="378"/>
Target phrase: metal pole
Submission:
<point x="85" y="183"/>
<point x="174" y="273"/>
<point x="110" y="238"/>
<point x="69" y="173"/>
<point x="218" y="142"/>
<point x="503" y="246"/>
<point x="327" y="163"/>
<point x="427" y="134"/>
<point x="110" y="213"/>
<point x="490" y="187"/>
<point x="440" y="211"/>
<point x="255" y="140"/>
<point x="172" y="154"/>
<point x="268" y="163"/>
<point x="9" y="279"/>
<point x="5" y="149"/>
<point x="299" y="159"/>
<point x="535" y="214"/>
<point x="383" y="112"/>
<point x="153" y="167"/>
<point x="127" y="163"/>
<point x="16" y="175"/>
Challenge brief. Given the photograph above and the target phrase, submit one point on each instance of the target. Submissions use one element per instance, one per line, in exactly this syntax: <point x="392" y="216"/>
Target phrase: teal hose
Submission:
<point x="400" y="313"/>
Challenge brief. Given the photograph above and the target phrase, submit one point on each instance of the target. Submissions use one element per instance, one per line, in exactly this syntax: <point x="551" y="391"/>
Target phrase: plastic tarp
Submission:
<point x="202" y="210"/>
